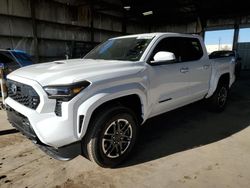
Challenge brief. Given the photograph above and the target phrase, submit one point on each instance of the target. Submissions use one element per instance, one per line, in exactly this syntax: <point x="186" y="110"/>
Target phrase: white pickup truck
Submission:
<point x="95" y="105"/>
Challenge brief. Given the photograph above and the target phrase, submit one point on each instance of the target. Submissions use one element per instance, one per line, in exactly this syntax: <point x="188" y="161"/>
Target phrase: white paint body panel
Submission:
<point x="110" y="80"/>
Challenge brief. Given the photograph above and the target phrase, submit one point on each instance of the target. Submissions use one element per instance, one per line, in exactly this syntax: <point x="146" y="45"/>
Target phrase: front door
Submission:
<point x="169" y="81"/>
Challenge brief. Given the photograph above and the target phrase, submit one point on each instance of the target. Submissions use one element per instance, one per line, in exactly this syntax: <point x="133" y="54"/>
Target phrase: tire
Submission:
<point x="218" y="101"/>
<point x="111" y="137"/>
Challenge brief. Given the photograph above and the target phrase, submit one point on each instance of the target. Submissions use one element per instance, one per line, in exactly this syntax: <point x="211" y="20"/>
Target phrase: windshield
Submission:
<point x="125" y="49"/>
<point x="23" y="58"/>
<point x="221" y="54"/>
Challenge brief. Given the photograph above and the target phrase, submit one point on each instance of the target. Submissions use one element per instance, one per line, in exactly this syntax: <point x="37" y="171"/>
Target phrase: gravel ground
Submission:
<point x="189" y="147"/>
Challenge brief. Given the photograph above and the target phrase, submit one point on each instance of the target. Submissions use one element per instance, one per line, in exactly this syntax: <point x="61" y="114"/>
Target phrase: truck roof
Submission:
<point x="157" y="34"/>
<point x="11" y="50"/>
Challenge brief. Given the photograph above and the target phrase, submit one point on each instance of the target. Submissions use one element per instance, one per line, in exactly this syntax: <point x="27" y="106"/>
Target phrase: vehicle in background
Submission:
<point x="229" y="53"/>
<point x="14" y="59"/>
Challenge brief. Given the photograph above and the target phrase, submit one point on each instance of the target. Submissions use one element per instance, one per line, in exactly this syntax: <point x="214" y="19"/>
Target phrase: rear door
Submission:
<point x="198" y="67"/>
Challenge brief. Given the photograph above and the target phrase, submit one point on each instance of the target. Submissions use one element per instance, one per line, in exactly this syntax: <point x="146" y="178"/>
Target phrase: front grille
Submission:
<point x="21" y="122"/>
<point x="23" y="94"/>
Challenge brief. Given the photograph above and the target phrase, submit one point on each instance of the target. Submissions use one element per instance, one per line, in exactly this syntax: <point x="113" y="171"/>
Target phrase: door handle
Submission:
<point x="184" y="70"/>
<point x="206" y="66"/>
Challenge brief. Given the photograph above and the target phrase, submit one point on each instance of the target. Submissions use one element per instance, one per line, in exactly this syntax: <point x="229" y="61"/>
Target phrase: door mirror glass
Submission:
<point x="163" y="56"/>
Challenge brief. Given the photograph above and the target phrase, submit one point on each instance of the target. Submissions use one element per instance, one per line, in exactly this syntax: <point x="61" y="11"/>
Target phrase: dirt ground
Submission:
<point x="189" y="147"/>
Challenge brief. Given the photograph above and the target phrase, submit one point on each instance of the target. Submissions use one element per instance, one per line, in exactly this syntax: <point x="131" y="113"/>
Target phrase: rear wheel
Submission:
<point x="218" y="100"/>
<point x="111" y="136"/>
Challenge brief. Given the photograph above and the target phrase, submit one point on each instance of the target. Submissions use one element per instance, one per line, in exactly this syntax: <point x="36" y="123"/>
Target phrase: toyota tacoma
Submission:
<point x="94" y="106"/>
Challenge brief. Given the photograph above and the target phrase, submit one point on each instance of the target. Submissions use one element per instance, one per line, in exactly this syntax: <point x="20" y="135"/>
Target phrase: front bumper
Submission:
<point x="51" y="129"/>
<point x="22" y="123"/>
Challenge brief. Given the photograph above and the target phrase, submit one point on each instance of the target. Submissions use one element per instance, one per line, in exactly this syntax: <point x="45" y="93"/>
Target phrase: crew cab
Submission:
<point x="95" y="105"/>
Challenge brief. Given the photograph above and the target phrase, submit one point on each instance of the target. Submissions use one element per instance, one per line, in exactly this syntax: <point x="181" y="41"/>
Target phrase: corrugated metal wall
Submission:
<point x="61" y="29"/>
<point x="244" y="52"/>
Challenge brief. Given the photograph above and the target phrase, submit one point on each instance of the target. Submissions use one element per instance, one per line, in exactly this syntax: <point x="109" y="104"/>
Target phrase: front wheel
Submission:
<point x="112" y="136"/>
<point x="218" y="100"/>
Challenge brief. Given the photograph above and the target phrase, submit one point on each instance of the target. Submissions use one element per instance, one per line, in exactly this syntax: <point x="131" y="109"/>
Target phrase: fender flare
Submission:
<point x="214" y="82"/>
<point x="91" y="104"/>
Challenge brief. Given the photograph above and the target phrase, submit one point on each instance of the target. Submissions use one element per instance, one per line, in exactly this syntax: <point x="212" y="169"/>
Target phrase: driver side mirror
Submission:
<point x="163" y="57"/>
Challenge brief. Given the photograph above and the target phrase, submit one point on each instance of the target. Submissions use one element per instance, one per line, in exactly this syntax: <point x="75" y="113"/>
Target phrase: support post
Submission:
<point x="124" y="22"/>
<point x="92" y="34"/>
<point x="3" y="86"/>
<point x="34" y="28"/>
<point x="236" y="36"/>
<point x="200" y="26"/>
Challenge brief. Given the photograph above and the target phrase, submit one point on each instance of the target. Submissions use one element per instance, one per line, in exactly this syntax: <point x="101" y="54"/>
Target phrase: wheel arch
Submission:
<point x="132" y="102"/>
<point x="223" y="78"/>
<point x="135" y="100"/>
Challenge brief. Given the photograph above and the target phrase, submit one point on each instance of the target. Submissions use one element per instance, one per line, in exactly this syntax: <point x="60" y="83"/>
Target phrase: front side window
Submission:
<point x="124" y="49"/>
<point x="184" y="49"/>
<point x="169" y="45"/>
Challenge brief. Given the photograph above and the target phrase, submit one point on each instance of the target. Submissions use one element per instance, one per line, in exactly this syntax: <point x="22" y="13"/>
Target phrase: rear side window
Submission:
<point x="221" y="54"/>
<point x="190" y="49"/>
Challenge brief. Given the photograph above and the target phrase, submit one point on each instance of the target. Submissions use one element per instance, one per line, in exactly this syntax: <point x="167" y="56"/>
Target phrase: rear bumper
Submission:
<point x="21" y="123"/>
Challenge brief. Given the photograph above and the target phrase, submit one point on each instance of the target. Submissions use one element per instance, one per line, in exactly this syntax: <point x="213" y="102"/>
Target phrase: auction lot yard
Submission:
<point x="189" y="147"/>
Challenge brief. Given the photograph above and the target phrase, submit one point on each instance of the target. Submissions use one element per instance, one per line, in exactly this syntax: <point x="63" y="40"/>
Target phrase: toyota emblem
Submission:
<point x="13" y="89"/>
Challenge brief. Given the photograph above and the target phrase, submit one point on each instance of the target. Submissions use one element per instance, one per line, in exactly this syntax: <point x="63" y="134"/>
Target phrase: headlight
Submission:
<point x="65" y="92"/>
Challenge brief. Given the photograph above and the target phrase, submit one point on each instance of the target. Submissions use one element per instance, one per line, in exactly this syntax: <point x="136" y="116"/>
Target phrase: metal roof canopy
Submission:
<point x="172" y="12"/>
<point x="208" y="15"/>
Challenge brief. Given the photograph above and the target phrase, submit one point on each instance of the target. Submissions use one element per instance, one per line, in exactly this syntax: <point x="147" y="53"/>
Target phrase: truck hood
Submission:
<point x="70" y="71"/>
